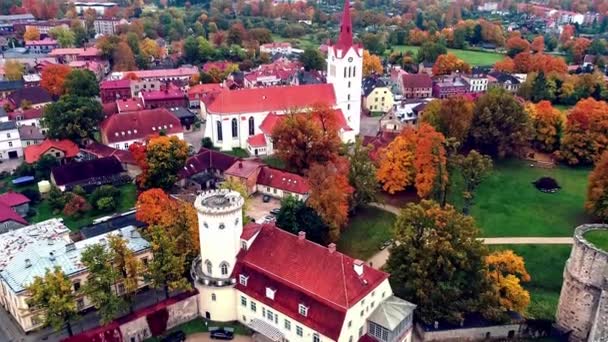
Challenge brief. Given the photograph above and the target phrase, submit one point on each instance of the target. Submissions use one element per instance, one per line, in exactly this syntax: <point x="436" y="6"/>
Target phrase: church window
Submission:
<point x="344" y="72"/>
<point x="222" y="226"/>
<point x="243" y="301"/>
<point x="349" y="71"/>
<point x="234" y="129"/>
<point x="348" y="97"/>
<point x="348" y="106"/>
<point x="220" y="136"/>
<point x="253" y="306"/>
<point x="209" y="267"/>
<point x="251" y="127"/>
<point x="213" y="297"/>
<point x="287" y="324"/>
<point x="224" y="268"/>
<point x="349" y="84"/>
<point x="299" y="331"/>
<point x="354" y="71"/>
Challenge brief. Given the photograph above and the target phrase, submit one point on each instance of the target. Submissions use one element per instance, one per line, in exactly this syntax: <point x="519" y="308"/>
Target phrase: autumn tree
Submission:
<point x="53" y="294"/>
<point x="64" y="37"/>
<point x="31" y="33"/>
<point x="53" y="78"/>
<point x="505" y="65"/>
<point x="166" y="270"/>
<point x="576" y="49"/>
<point x="474" y="168"/>
<point x="547" y="125"/>
<point x="500" y="125"/>
<point x="449" y="63"/>
<point x="506" y="271"/>
<point x="584" y="138"/>
<point x="567" y="34"/>
<point x="149" y="48"/>
<point x="516" y="44"/>
<point x="127" y="265"/>
<point x="361" y="175"/>
<point x="163" y="157"/>
<point x="371" y="64"/>
<point x="438" y="262"/>
<point x="123" y="58"/>
<point x="72" y="117"/>
<point x="597" y="190"/>
<point x="75" y="206"/>
<point x="13" y="70"/>
<point x="81" y="83"/>
<point x="301" y="139"/>
<point x="396" y="163"/>
<point x="101" y="285"/>
<point x="330" y="193"/>
<point x="452" y="117"/>
<point x="538" y="44"/>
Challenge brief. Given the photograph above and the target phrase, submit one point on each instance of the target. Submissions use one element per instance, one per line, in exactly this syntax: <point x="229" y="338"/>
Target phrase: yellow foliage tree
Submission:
<point x="13" y="70"/>
<point x="31" y="33"/>
<point x="371" y="64"/>
<point x="548" y="123"/>
<point x="396" y="168"/>
<point x="506" y="271"/>
<point x="149" y="48"/>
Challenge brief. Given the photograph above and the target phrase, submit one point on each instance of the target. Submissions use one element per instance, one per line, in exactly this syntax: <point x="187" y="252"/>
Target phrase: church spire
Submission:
<point x="346" y="27"/>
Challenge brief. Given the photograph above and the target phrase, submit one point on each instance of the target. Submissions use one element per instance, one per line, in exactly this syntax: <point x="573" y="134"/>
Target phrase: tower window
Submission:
<point x="344" y="72"/>
<point x="224" y="268"/>
<point x="209" y="267"/>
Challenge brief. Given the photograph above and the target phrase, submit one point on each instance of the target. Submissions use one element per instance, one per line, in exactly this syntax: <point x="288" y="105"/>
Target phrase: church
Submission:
<point x="239" y="118"/>
<point x="285" y="287"/>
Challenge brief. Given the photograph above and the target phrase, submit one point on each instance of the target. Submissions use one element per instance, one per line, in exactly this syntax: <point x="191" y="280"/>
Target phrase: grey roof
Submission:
<point x="5" y="126"/>
<point x="371" y="83"/>
<point x="391" y="312"/>
<point x="11" y="85"/>
<point x="30" y="133"/>
<point x="502" y="77"/>
<point x="16" y="17"/>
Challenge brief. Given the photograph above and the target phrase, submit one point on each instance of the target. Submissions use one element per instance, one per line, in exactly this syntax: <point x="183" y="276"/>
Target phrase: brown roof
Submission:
<point x="417" y="81"/>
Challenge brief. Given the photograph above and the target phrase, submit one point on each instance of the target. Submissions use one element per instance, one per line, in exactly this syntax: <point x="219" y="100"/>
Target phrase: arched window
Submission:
<point x="344" y="72"/>
<point x="224" y="268"/>
<point x="349" y="71"/>
<point x="220" y="136"/>
<point x="251" y="127"/>
<point x="209" y="267"/>
<point x="235" y="132"/>
<point x="354" y="71"/>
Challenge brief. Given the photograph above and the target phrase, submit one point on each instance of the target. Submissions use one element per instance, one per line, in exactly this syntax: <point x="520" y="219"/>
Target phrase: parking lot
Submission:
<point x="258" y="210"/>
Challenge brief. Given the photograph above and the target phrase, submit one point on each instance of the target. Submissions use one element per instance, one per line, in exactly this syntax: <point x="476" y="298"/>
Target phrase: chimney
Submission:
<point x="358" y="267"/>
<point x="301" y="235"/>
<point x="28" y="263"/>
<point x="240" y="164"/>
<point x="331" y="247"/>
<point x="51" y="256"/>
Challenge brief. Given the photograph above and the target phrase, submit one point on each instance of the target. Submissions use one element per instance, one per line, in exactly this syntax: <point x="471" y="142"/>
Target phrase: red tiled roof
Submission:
<point x="304" y="272"/>
<point x="129" y="105"/>
<point x="34" y="152"/>
<point x="101" y="151"/>
<point x="243" y="168"/>
<point x="201" y="89"/>
<point x="139" y="125"/>
<point x="8" y="214"/>
<point x="45" y="41"/>
<point x="283" y="180"/>
<point x="417" y="81"/>
<point x="255" y="100"/>
<point x="163" y="73"/>
<point x="84" y="52"/>
<point x="33" y="113"/>
<point x="249" y="230"/>
<point x="171" y="93"/>
<point x="257" y="140"/>
<point x="272" y="119"/>
<point x="116" y="84"/>
<point x="13" y="199"/>
<point x="206" y="159"/>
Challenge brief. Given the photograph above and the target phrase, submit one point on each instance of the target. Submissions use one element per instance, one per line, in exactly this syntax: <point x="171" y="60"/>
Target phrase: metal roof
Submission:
<point x="391" y="312"/>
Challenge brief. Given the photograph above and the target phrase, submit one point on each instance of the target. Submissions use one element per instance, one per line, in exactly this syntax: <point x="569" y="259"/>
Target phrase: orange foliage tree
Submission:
<point x="371" y="64"/>
<point x="547" y="124"/>
<point x="452" y="117"/>
<point x="584" y="138"/>
<point x="53" y="78"/>
<point x="577" y="48"/>
<point x="448" y="63"/>
<point x="538" y="44"/>
<point x="417" y="36"/>
<point x="526" y="62"/>
<point x="123" y="58"/>
<point x="330" y="193"/>
<point x="506" y="271"/>
<point x="505" y="65"/>
<point x="597" y="190"/>
<point x="516" y="44"/>
<point x="160" y="160"/>
<point x="31" y="33"/>
<point x="567" y="34"/>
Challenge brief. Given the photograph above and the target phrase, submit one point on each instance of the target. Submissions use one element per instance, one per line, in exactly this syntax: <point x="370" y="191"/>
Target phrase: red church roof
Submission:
<point x="303" y="272"/>
<point x="259" y="100"/>
<point x="34" y="152"/>
<point x="345" y="38"/>
<point x="139" y="125"/>
<point x="272" y="119"/>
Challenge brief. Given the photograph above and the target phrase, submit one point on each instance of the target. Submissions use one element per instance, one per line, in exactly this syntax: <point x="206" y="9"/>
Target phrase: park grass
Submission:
<point x="238" y="152"/>
<point x="545" y="264"/>
<point x="198" y="325"/>
<point x="507" y="204"/>
<point x="471" y="57"/>
<point x="274" y="161"/>
<point x="126" y="201"/>
<point x="366" y="231"/>
<point x="303" y="42"/>
<point x="599" y="238"/>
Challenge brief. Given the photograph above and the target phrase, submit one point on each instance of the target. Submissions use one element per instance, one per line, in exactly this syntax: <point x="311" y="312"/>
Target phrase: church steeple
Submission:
<point x="346" y="27"/>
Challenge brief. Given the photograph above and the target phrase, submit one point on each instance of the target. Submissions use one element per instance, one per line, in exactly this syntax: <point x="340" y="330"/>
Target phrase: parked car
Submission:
<point x="275" y="211"/>
<point x="265" y="198"/>
<point x="221" y="333"/>
<point x="176" y="336"/>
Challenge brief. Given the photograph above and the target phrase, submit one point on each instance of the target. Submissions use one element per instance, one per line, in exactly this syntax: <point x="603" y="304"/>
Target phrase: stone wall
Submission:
<point x="495" y="332"/>
<point x="585" y="277"/>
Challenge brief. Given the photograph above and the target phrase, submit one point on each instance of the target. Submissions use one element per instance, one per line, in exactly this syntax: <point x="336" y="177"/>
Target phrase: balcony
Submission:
<point x="196" y="272"/>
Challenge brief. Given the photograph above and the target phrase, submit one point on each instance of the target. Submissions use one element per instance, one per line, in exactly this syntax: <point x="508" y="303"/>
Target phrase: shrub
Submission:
<point x="78" y="190"/>
<point x="104" y="192"/>
<point x="24" y="169"/>
<point x="105" y="204"/>
<point x="57" y="199"/>
<point x="76" y="206"/>
<point x="207" y="142"/>
<point x="32" y="194"/>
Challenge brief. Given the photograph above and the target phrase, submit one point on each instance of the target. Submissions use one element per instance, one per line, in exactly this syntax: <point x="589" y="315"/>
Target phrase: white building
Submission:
<point x="99" y="7"/>
<point x="107" y="26"/>
<point x="285" y="287"/>
<point x="10" y="141"/>
<point x="274" y="48"/>
<point x="478" y="83"/>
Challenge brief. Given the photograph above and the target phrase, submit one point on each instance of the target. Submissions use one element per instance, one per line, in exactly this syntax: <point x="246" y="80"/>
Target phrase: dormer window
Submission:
<point x="303" y="310"/>
<point x="243" y="279"/>
<point x="270" y="292"/>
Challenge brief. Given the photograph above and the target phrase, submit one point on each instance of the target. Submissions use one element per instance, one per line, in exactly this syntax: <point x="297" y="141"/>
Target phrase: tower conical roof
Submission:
<point x="345" y="39"/>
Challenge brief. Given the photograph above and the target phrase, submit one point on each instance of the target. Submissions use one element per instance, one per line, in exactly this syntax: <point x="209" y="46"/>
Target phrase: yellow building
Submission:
<point x="377" y="96"/>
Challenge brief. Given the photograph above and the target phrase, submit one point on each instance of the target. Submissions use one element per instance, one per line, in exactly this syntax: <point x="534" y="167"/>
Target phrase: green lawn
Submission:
<point x="274" y="161"/>
<point x="507" y="204"/>
<point x="599" y="238"/>
<point x="300" y="42"/>
<point x="366" y="231"/>
<point x="545" y="263"/>
<point x="198" y="325"/>
<point x="470" y="56"/>
<point x="128" y="196"/>
<point x="238" y="152"/>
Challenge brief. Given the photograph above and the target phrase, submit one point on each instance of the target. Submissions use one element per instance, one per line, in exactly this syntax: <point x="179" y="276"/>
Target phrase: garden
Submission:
<point x="367" y="230"/>
<point x="472" y="57"/>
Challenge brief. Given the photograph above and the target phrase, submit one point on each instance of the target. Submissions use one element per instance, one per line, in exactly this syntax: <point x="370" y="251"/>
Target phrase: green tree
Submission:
<point x="474" y="168"/>
<point x="101" y="285"/>
<point x="295" y="216"/>
<point x="541" y="89"/>
<point x="128" y="267"/>
<point x="53" y="294"/>
<point x="165" y="156"/>
<point x="65" y="37"/>
<point x="429" y="51"/>
<point x="361" y="175"/>
<point x="104" y="198"/>
<point x="81" y="83"/>
<point x="72" y="117"/>
<point x="191" y="52"/>
<point x="374" y="42"/>
<point x="44" y="165"/>
<point x="500" y="125"/>
<point x="312" y="59"/>
<point x="80" y="34"/>
<point x="166" y="270"/>
<point x="438" y="262"/>
<point x="56" y="198"/>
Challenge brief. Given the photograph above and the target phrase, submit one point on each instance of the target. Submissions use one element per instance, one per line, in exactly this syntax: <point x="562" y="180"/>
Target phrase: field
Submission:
<point x="366" y="231"/>
<point x="507" y="204"/>
<point x="545" y="264"/>
<point x="599" y="238"/>
<point x="472" y="57"/>
<point x="300" y="42"/>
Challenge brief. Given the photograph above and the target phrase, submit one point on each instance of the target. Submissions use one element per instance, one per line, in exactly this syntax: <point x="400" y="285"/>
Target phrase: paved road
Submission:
<point x="204" y="337"/>
<point x="369" y="125"/>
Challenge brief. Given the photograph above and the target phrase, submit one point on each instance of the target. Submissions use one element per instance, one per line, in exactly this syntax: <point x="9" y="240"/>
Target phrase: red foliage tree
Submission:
<point x="53" y="77"/>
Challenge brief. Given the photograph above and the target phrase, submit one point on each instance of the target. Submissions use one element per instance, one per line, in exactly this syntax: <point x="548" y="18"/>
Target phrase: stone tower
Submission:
<point x="220" y="227"/>
<point x="583" y="302"/>
<point x="345" y="71"/>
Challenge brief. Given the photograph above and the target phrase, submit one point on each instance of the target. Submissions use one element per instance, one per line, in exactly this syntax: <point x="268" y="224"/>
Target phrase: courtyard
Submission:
<point x="258" y="209"/>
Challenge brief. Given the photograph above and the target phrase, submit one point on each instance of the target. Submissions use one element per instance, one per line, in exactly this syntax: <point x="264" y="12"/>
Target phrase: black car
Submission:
<point x="176" y="336"/>
<point x="222" y="333"/>
<point x="275" y="211"/>
<point x="265" y="198"/>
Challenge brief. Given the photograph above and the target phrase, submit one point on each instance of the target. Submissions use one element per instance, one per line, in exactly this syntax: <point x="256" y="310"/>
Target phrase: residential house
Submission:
<point x="245" y="172"/>
<point x="139" y="86"/>
<point x="205" y="169"/>
<point x="180" y="76"/>
<point x="406" y="112"/>
<point x="33" y="249"/>
<point x="100" y="7"/>
<point x="279" y="72"/>
<point x="89" y="174"/>
<point x="10" y="219"/>
<point x="34" y="97"/>
<point x="7" y="22"/>
<point x="478" y="82"/>
<point x="377" y="97"/>
<point x="43" y="46"/>
<point x="199" y="91"/>
<point x="276" y="48"/>
<point x="503" y="80"/>
<point x="185" y="116"/>
<point x="94" y="150"/>
<point x="112" y="90"/>
<point x="30" y="135"/>
<point x="26" y="117"/>
<point x="64" y="150"/>
<point x="67" y="55"/>
<point x="416" y="86"/>
<point x="425" y="68"/>
<point x="106" y="27"/>
<point x="446" y="86"/>
<point x="169" y="96"/>
<point x="10" y="142"/>
<point x="16" y="201"/>
<point x="44" y="26"/>
<point x="120" y="131"/>
<point x="129" y="105"/>
<point x="31" y="80"/>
